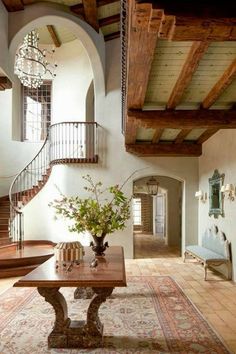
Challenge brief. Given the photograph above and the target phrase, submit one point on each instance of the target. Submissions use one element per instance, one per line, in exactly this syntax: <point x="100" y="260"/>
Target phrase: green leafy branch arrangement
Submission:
<point x="103" y="212"/>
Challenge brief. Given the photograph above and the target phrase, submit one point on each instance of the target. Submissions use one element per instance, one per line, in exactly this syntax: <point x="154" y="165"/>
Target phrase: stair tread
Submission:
<point x="18" y="271"/>
<point x="20" y="267"/>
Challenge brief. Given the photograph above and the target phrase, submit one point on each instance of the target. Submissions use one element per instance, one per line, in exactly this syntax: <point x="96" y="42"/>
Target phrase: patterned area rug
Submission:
<point x="151" y="315"/>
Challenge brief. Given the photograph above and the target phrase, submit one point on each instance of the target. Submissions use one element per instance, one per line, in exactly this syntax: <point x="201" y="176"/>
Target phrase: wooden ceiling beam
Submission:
<point x="5" y="83"/>
<point x="111" y="36"/>
<point x="206" y="135"/>
<point x="201" y="29"/>
<point x="54" y="36"/>
<point x="183" y="119"/>
<point x="143" y="26"/>
<point x="204" y="9"/>
<point x="181" y="136"/>
<point x="106" y="2"/>
<point x="109" y="20"/>
<point x="164" y="149"/>
<point x="220" y="86"/>
<point x="199" y="21"/>
<point x="195" y="54"/>
<point x="78" y="9"/>
<point x="90" y="12"/>
<point x="131" y="133"/>
<point x="13" y="5"/>
<point x="157" y="135"/>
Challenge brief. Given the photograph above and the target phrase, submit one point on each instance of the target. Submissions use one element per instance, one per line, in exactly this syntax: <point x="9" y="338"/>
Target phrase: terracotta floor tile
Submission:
<point x="215" y="298"/>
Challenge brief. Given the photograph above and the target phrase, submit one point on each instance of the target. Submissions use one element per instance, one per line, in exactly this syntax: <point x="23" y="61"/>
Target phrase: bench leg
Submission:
<point x="205" y="271"/>
<point x="229" y="277"/>
<point x="185" y="253"/>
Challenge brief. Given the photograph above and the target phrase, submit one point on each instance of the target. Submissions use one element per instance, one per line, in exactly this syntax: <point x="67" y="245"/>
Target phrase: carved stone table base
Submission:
<point x="83" y="293"/>
<point x="75" y="334"/>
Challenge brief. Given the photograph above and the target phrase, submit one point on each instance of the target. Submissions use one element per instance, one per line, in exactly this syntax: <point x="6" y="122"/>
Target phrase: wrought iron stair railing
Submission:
<point x="66" y="142"/>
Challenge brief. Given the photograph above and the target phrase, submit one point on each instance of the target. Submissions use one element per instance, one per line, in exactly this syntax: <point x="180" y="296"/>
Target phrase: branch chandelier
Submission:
<point x="31" y="65"/>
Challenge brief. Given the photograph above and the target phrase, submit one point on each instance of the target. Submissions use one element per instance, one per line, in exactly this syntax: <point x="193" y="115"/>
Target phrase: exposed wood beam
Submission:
<point x="196" y="52"/>
<point x="183" y="119"/>
<point x="162" y="149"/>
<point x="78" y="9"/>
<point x="202" y="22"/>
<point x="181" y="136"/>
<point x="200" y="29"/>
<point x="111" y="36"/>
<point x="28" y="2"/>
<point x="206" y="135"/>
<point x="204" y="9"/>
<point x="54" y="36"/>
<point x="106" y="2"/>
<point x="90" y="12"/>
<point x="109" y="20"/>
<point x="143" y="26"/>
<point x="199" y="21"/>
<point x="13" y="5"/>
<point x="131" y="133"/>
<point x="5" y="83"/>
<point x="221" y="85"/>
<point x="157" y="135"/>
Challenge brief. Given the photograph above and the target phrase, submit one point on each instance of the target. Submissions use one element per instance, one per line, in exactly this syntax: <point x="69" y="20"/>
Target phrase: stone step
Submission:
<point x="16" y="272"/>
<point x="5" y="241"/>
<point x="4" y="227"/>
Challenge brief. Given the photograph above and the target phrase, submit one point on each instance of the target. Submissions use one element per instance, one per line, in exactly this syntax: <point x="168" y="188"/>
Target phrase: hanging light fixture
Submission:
<point x="152" y="186"/>
<point x="31" y="64"/>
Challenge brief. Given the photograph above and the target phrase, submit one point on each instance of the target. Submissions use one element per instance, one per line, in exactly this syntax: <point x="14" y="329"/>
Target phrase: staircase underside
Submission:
<point x="93" y="159"/>
<point x="15" y="262"/>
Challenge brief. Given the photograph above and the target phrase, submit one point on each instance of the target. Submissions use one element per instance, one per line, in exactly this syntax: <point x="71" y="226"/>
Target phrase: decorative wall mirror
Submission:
<point x="215" y="195"/>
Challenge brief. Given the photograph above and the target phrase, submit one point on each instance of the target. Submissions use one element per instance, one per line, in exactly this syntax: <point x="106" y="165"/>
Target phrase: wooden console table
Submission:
<point x="109" y="273"/>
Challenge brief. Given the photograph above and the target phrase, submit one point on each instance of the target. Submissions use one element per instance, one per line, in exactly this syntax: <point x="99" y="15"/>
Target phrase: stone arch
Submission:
<point x="42" y="14"/>
<point x="142" y="174"/>
<point x="90" y="103"/>
<point x="39" y="15"/>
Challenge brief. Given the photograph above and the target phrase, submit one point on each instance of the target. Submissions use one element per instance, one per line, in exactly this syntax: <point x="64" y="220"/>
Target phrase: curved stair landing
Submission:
<point x="15" y="262"/>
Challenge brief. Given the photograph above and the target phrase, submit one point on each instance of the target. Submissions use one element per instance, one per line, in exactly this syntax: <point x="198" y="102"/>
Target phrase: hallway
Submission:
<point x="152" y="246"/>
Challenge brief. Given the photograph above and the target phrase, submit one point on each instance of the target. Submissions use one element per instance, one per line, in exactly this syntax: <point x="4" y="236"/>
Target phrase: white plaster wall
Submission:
<point x="219" y="153"/>
<point x="115" y="165"/>
<point x="70" y="86"/>
<point x="173" y="209"/>
<point x="14" y="155"/>
<point x="3" y="39"/>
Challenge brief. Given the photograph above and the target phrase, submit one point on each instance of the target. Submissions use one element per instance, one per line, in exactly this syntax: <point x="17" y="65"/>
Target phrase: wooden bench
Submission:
<point x="214" y="251"/>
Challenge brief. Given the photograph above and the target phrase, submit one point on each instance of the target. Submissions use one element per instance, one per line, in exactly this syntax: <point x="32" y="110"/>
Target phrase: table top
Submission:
<point x="110" y="272"/>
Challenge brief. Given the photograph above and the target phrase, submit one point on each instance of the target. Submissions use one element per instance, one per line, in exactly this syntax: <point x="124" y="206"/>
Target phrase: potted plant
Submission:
<point x="103" y="212"/>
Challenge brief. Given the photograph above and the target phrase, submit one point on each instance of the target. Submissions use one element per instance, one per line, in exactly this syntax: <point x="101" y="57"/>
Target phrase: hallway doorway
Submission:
<point x="157" y="218"/>
<point x="152" y="246"/>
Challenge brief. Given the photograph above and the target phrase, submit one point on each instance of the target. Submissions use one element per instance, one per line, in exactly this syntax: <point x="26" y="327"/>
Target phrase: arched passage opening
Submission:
<point x="157" y="219"/>
<point x="69" y="93"/>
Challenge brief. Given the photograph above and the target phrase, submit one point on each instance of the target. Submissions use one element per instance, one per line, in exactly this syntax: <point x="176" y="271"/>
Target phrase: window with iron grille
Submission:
<point x="37" y="107"/>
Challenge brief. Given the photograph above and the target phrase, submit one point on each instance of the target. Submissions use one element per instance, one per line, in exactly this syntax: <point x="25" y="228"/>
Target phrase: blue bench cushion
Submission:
<point x="204" y="253"/>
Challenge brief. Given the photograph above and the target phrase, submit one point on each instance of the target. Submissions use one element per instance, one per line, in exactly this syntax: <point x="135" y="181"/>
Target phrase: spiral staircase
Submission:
<point x="66" y="143"/>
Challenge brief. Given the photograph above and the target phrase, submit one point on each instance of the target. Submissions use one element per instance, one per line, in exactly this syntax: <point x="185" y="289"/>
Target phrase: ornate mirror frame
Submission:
<point x="215" y="194"/>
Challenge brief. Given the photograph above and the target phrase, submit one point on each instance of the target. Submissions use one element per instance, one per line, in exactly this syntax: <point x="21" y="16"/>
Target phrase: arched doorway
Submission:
<point x="157" y="219"/>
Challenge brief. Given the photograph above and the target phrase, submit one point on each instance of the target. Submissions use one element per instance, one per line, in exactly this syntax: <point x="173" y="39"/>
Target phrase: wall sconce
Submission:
<point x="229" y="191"/>
<point x="200" y="195"/>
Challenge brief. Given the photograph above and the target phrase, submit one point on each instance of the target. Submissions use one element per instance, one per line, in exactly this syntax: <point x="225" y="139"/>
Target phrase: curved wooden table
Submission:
<point x="109" y="273"/>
